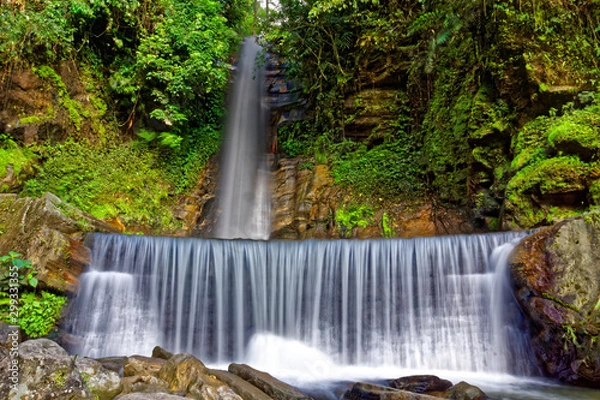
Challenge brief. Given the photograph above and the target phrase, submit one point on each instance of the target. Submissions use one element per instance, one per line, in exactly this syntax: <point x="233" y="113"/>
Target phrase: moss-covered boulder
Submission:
<point x="49" y="233"/>
<point x="46" y="371"/>
<point x="555" y="169"/>
<point x="557" y="276"/>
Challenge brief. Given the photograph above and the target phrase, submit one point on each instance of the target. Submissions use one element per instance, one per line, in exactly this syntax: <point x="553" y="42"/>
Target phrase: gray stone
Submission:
<point x="421" y="384"/>
<point x="273" y="387"/>
<point x="150" y="396"/>
<point x="48" y="231"/>
<point x="369" y="391"/>
<point x="47" y="372"/>
<point x="246" y="390"/>
<point x="143" y="384"/>
<point x="465" y="391"/>
<point x="103" y="383"/>
<point x="159" y="352"/>
<point x="140" y="365"/>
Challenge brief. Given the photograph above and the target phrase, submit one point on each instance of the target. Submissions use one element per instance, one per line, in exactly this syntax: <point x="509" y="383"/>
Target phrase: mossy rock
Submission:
<point x="549" y="190"/>
<point x="571" y="137"/>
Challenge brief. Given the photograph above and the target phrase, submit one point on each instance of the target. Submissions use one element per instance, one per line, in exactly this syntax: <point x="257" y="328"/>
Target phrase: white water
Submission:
<point x="414" y="304"/>
<point x="244" y="196"/>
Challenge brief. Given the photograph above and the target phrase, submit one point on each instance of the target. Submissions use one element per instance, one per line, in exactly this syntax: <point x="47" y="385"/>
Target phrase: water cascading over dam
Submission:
<point x="243" y="197"/>
<point x="427" y="303"/>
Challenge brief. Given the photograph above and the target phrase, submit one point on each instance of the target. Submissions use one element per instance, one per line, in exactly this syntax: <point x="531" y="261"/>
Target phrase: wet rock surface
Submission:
<point x="371" y="391"/>
<point x="557" y="276"/>
<point x="421" y="384"/>
<point x="273" y="387"/>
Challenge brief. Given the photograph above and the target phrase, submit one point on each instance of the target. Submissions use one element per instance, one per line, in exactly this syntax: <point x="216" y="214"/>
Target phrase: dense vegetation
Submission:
<point x="474" y="104"/>
<point x="451" y="85"/>
<point x="136" y="88"/>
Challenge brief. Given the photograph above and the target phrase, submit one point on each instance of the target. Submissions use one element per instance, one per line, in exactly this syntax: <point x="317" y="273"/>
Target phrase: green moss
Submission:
<point x="60" y="377"/>
<point x="551" y="176"/>
<point x="75" y="110"/>
<point x="31" y="120"/>
<point x="389" y="170"/>
<point x="554" y="155"/>
<point x="106" y="182"/>
<point x="580" y="128"/>
<point x="595" y="193"/>
<point x="21" y="159"/>
<point x="530" y="143"/>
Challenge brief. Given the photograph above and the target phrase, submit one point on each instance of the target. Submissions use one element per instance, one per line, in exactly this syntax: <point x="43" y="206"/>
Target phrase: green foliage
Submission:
<point x="350" y="216"/>
<point x="38" y="313"/>
<point x="20" y="158"/>
<point x="12" y="266"/>
<point x="106" y="182"/>
<point x="75" y="110"/>
<point x="39" y="31"/>
<point x="593" y="218"/>
<point x="463" y="65"/>
<point x="386" y="227"/>
<point x="295" y="139"/>
<point x="163" y="64"/>
<point x="554" y="155"/>
<point x="547" y="177"/>
<point x="387" y="170"/>
<point x="181" y="67"/>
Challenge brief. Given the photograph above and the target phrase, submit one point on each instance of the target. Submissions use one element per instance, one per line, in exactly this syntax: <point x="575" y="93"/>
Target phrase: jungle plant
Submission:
<point x="38" y="313"/>
<point x="13" y="266"/>
<point x="386" y="226"/>
<point x="350" y="216"/>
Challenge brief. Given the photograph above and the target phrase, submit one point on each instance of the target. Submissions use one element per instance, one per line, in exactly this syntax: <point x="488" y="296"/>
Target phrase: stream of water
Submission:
<point x="313" y="312"/>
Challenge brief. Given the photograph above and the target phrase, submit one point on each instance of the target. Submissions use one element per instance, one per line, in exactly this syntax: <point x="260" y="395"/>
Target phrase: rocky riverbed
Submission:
<point x="47" y="371"/>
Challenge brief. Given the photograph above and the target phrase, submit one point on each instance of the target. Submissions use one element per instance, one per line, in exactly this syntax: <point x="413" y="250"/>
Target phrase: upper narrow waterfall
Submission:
<point x="427" y="303"/>
<point x="243" y="194"/>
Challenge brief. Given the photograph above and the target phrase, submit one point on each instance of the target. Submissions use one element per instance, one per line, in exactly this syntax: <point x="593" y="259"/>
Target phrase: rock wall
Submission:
<point x="305" y="202"/>
<point x="49" y="233"/>
<point x="557" y="277"/>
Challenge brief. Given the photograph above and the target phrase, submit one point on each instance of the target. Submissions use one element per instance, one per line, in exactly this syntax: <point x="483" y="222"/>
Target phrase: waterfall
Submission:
<point x="423" y="304"/>
<point x="244" y="193"/>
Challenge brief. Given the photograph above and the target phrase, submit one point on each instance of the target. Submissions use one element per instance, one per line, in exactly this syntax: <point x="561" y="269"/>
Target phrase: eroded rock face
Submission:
<point x="305" y="202"/>
<point x="48" y="232"/>
<point x="557" y="276"/>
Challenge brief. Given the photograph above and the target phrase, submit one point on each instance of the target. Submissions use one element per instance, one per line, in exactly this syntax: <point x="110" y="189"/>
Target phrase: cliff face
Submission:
<point x="307" y="204"/>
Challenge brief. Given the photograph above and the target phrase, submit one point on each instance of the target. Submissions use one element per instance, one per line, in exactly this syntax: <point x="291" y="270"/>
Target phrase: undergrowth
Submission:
<point x="119" y="180"/>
